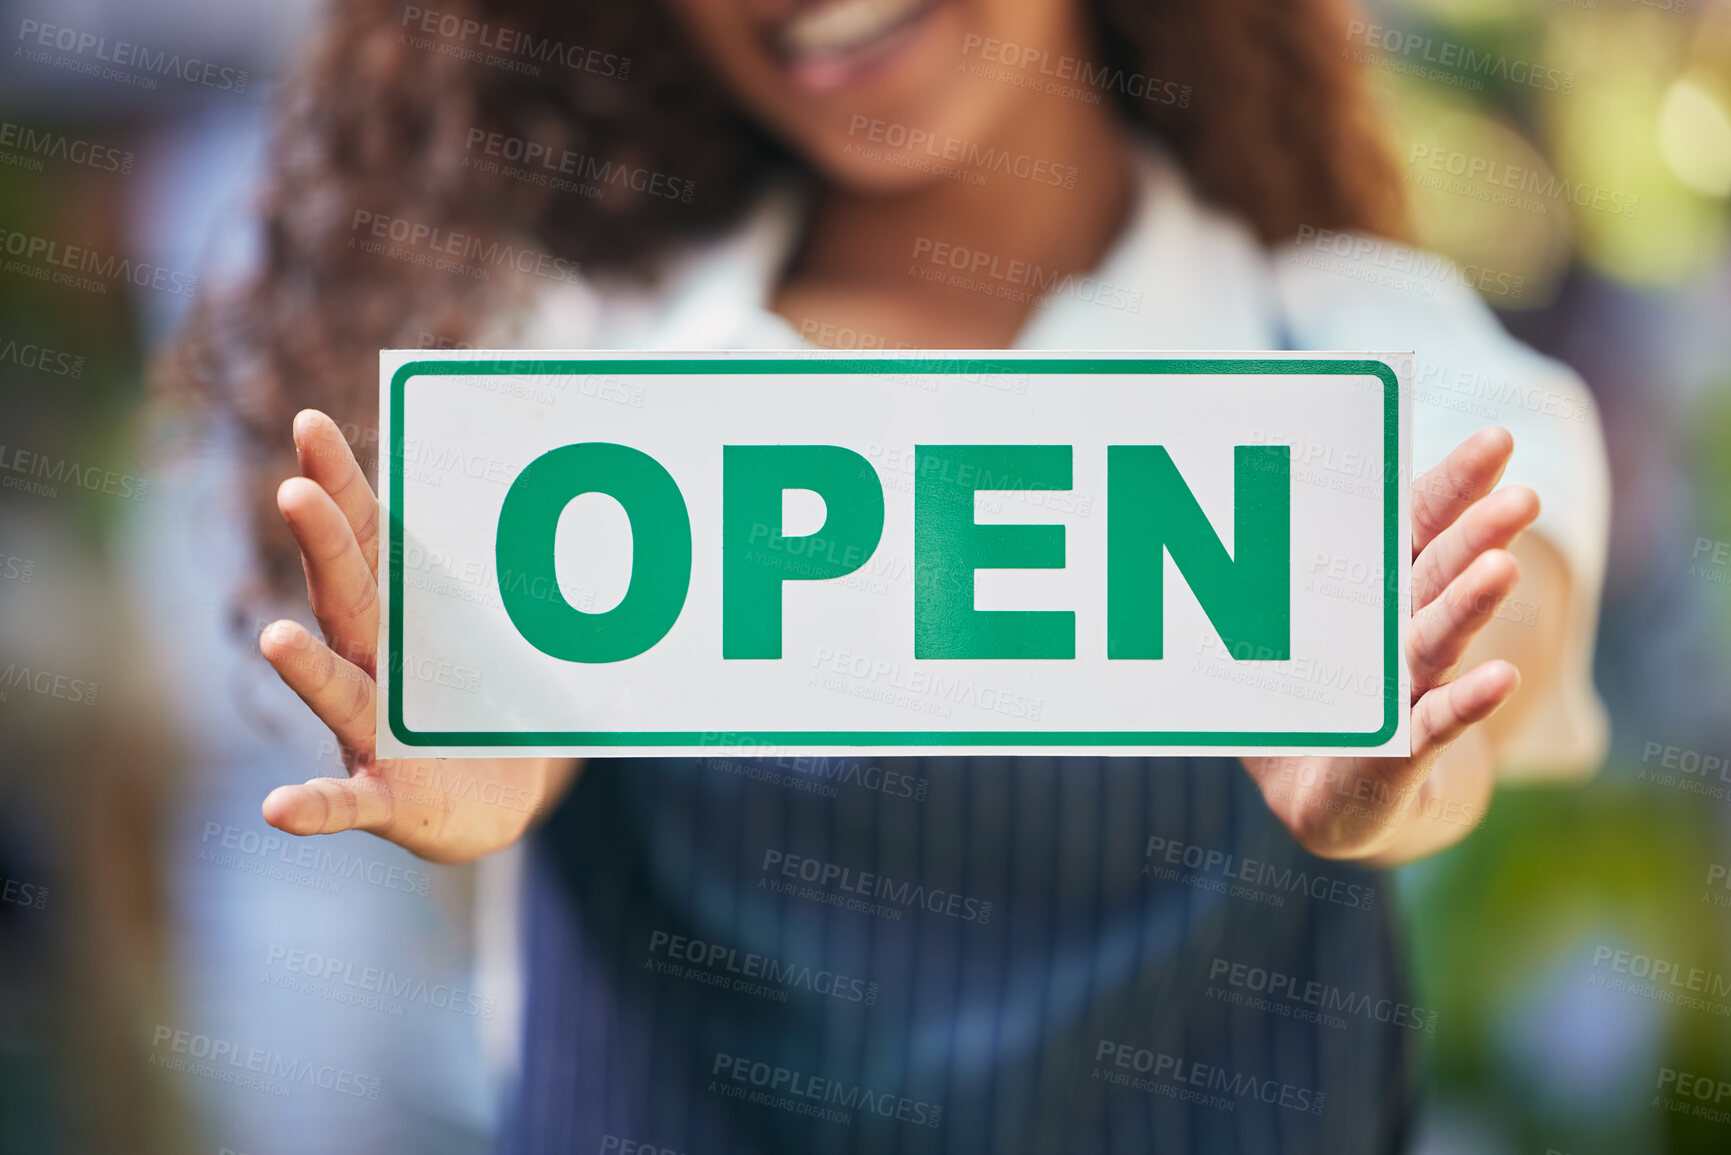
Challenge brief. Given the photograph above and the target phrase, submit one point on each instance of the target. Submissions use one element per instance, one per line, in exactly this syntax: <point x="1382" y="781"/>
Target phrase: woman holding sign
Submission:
<point x="1106" y="954"/>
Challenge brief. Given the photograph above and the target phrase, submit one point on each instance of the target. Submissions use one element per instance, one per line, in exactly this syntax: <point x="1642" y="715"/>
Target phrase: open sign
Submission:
<point x="822" y="553"/>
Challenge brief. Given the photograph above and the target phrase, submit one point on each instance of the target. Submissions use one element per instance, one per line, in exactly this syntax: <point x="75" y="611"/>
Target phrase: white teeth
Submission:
<point x="845" y="26"/>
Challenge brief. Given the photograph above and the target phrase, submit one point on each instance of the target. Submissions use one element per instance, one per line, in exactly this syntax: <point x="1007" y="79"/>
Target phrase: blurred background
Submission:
<point x="140" y="892"/>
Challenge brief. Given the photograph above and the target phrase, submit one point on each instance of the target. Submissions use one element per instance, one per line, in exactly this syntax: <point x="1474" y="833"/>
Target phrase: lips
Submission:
<point x="829" y="43"/>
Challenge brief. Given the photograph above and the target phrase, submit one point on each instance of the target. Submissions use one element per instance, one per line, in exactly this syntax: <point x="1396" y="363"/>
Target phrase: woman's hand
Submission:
<point x="1394" y="809"/>
<point x="444" y="809"/>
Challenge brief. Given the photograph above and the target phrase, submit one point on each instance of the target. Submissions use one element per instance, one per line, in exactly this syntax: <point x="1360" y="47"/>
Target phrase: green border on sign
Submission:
<point x="602" y="739"/>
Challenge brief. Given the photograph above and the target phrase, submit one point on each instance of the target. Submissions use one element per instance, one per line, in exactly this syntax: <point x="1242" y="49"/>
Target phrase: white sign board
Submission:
<point x="653" y="554"/>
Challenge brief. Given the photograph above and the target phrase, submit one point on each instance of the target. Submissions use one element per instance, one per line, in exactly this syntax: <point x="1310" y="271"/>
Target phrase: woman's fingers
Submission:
<point x="1445" y="712"/>
<point x="329" y="806"/>
<point x="344" y="592"/>
<point x="325" y="458"/>
<point x="335" y="518"/>
<point x="1464" y="476"/>
<point x="1492" y="523"/>
<point x="338" y="691"/>
<point x="1439" y="634"/>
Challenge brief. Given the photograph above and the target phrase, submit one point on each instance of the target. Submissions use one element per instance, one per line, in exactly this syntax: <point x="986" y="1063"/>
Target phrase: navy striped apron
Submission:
<point x="958" y="955"/>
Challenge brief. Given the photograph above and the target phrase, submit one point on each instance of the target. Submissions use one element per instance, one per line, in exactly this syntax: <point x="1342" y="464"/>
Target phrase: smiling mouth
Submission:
<point x="832" y="42"/>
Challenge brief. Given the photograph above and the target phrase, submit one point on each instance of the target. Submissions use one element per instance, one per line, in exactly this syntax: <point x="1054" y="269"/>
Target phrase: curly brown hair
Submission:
<point x="379" y="119"/>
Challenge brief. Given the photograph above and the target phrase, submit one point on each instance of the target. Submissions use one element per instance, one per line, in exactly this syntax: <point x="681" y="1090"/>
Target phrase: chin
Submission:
<point x="878" y="177"/>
